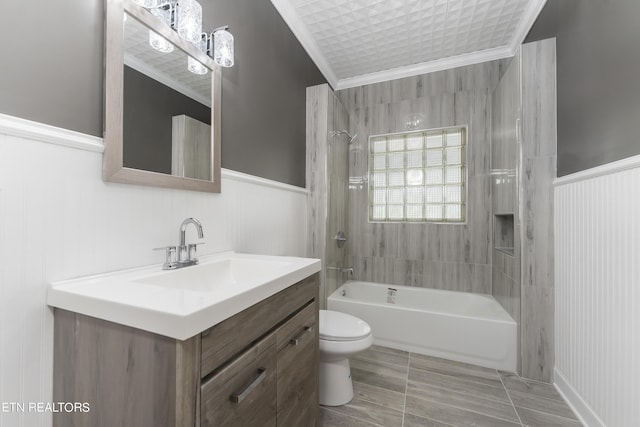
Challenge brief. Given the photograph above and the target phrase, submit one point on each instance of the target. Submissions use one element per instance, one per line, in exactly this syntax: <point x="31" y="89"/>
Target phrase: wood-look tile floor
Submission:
<point x="396" y="388"/>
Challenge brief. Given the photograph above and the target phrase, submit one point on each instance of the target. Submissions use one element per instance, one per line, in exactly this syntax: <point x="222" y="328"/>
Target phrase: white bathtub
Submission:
<point x="469" y="328"/>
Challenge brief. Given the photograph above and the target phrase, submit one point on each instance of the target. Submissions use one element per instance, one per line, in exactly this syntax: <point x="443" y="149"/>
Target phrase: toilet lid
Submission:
<point x="336" y="326"/>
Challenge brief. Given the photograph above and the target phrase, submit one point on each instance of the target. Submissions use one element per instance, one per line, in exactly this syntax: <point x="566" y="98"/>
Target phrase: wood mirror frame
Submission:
<point x="113" y="164"/>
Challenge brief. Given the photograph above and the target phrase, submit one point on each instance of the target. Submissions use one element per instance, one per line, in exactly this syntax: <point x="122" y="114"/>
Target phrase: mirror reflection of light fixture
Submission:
<point x="156" y="41"/>
<point x="185" y="17"/>
<point x="194" y="65"/>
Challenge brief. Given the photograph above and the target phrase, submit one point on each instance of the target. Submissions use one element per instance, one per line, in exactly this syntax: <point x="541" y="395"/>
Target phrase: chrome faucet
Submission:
<point x="185" y="254"/>
<point x="342" y="269"/>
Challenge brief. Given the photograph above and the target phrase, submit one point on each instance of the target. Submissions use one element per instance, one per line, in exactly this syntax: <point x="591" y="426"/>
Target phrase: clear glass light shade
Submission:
<point x="189" y="20"/>
<point x="156" y="41"/>
<point x="147" y="3"/>
<point x="194" y="65"/>
<point x="223" y="48"/>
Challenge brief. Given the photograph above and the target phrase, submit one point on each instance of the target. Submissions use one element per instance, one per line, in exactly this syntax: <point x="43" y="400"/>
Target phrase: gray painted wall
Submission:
<point x="598" y="62"/>
<point x="149" y="107"/>
<point x="53" y="73"/>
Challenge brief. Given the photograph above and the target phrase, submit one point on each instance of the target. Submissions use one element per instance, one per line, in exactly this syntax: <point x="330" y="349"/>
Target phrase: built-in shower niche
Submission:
<point x="503" y="232"/>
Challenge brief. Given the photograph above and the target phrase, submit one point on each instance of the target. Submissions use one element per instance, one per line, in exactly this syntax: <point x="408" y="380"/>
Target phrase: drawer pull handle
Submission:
<point x="298" y="340"/>
<point x="238" y="397"/>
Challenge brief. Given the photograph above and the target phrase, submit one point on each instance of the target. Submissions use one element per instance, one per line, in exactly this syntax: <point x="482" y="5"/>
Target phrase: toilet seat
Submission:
<point x="337" y="326"/>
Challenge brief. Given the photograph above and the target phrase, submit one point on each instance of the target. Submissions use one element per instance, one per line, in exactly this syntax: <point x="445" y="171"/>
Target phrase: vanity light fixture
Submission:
<point x="185" y="17"/>
<point x="146" y="3"/>
<point x="222" y="46"/>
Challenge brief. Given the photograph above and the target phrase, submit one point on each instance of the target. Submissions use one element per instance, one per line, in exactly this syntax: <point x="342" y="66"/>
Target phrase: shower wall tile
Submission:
<point x="537" y="333"/>
<point x="537" y="213"/>
<point x="444" y="256"/>
<point x="461" y="277"/>
<point x="328" y="182"/>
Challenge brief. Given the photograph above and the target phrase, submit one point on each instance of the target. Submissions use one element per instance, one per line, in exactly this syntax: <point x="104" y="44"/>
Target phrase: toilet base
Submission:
<point x="336" y="388"/>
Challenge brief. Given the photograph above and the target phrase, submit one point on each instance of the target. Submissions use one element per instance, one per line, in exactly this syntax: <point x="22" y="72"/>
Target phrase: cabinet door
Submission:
<point x="243" y="393"/>
<point x="298" y="369"/>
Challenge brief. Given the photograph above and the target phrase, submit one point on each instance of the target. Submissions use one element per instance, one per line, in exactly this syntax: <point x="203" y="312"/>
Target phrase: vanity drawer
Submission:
<point x="244" y="392"/>
<point x="297" y="342"/>
<point x="230" y="336"/>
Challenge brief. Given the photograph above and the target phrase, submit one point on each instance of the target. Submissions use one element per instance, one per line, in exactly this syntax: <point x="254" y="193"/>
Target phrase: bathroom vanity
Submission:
<point x="256" y="367"/>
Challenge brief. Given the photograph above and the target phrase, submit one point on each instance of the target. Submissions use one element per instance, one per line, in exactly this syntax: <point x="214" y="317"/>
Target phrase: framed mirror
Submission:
<point x="162" y="121"/>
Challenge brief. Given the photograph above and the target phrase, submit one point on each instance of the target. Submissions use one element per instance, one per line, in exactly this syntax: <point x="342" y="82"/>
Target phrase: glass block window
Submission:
<point x="418" y="176"/>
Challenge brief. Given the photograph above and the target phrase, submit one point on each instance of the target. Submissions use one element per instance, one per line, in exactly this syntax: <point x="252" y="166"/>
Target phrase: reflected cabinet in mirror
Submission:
<point x="162" y="121"/>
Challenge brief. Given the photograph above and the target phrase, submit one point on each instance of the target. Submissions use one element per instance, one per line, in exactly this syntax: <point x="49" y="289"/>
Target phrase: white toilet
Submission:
<point x="341" y="336"/>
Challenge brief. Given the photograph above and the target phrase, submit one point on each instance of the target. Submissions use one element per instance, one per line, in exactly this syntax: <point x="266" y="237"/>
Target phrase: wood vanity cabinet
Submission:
<point x="257" y="368"/>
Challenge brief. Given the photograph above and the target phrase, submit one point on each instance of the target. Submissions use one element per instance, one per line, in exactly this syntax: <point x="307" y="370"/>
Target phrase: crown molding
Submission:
<point x="530" y="15"/>
<point x="299" y="29"/>
<point x="426" y="67"/>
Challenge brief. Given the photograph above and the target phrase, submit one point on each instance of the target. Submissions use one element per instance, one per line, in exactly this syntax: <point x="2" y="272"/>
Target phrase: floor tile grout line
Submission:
<point x="510" y="400"/>
<point x="406" y="386"/>
<point x="378" y="361"/>
<point x="473" y="411"/>
<point x="347" y="416"/>
<point x="548" y="399"/>
<point x="497" y="385"/>
<point x="377" y="387"/>
<point x="547" y="413"/>
<point x="462" y="379"/>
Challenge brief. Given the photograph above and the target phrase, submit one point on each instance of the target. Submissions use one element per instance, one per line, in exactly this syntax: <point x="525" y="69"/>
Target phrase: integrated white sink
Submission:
<point x="216" y="275"/>
<point x="181" y="303"/>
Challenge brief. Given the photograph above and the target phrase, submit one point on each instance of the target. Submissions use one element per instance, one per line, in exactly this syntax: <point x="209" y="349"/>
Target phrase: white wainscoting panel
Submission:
<point x="59" y="220"/>
<point x="597" y="326"/>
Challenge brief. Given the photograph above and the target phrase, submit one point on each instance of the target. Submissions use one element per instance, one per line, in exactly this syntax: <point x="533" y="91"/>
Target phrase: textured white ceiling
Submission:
<point x="361" y="41"/>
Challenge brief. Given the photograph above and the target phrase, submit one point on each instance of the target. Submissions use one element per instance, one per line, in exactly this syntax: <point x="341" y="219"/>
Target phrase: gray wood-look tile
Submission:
<point x="370" y="412"/>
<point x="452" y="415"/>
<point x="445" y="393"/>
<point x="459" y="370"/>
<point x="380" y="396"/>
<point x="537" y="333"/>
<point x="327" y="176"/>
<point x="375" y="355"/>
<point x="540" y="419"/>
<point x="418" y="378"/>
<point x="541" y="404"/>
<point x="513" y="382"/>
<point x="466" y="401"/>
<point x="331" y="418"/>
<point x="452" y="97"/>
<point x="390" y="377"/>
<point x="389" y="350"/>
<point x="411" y="420"/>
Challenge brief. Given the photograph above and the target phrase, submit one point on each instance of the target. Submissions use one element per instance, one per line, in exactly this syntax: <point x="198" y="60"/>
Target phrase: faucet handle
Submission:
<point x="170" y="256"/>
<point x="192" y="249"/>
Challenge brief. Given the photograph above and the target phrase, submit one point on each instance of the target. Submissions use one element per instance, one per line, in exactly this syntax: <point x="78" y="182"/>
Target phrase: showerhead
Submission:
<point x="350" y="138"/>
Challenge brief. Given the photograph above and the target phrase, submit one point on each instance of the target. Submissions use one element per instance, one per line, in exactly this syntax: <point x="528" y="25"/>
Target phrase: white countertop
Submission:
<point x="181" y="303"/>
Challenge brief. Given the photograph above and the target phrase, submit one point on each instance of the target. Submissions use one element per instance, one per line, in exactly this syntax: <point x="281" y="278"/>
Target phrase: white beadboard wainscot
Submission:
<point x="59" y="220"/>
<point x="597" y="326"/>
